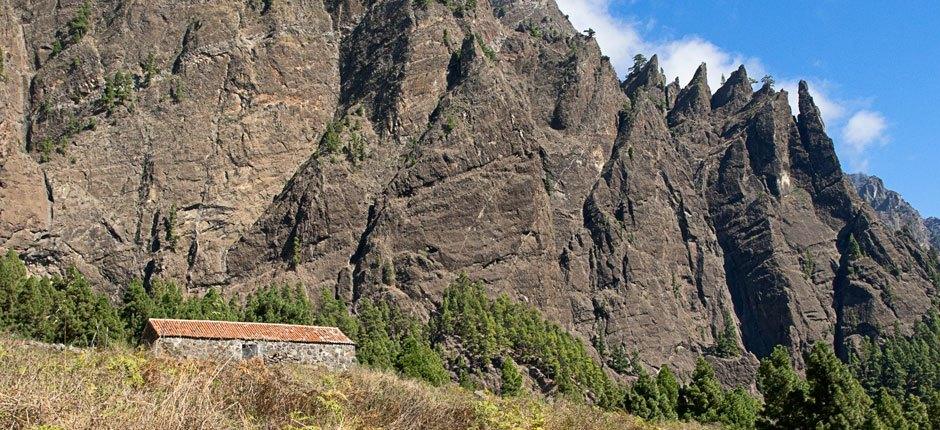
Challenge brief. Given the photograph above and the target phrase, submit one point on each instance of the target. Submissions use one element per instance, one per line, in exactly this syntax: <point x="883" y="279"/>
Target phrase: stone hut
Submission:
<point x="273" y="343"/>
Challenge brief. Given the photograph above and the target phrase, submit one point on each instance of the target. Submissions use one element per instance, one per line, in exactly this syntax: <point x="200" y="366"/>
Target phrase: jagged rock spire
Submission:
<point x="735" y="93"/>
<point x="694" y="99"/>
<point x="649" y="75"/>
<point x="672" y="93"/>
<point x="809" y="113"/>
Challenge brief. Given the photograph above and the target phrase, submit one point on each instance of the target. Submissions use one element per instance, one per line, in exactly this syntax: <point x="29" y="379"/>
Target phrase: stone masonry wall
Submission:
<point x="332" y="356"/>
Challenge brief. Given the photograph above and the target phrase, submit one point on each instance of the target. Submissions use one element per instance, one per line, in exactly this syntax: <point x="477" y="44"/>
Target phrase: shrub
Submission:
<point x="449" y="124"/>
<point x="150" y="70"/>
<point x="169" y="225"/>
<point x="74" y="30"/>
<point x="118" y="91"/>
<point x="330" y="141"/>
<point x="177" y="90"/>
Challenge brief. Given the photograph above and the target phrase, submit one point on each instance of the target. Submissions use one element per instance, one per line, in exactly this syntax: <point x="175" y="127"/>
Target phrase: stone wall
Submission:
<point x="333" y="356"/>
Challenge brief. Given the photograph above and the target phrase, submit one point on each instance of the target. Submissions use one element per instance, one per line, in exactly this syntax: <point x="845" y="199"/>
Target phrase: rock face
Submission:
<point x="896" y="213"/>
<point x="379" y="149"/>
<point x="933" y="231"/>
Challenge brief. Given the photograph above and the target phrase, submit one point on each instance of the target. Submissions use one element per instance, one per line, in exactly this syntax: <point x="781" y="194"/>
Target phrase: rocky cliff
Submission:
<point x="933" y="231"/>
<point x="895" y="212"/>
<point x="381" y="148"/>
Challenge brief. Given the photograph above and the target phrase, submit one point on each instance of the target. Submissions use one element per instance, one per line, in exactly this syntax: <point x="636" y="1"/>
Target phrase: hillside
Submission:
<point x="122" y="388"/>
<point x="380" y="149"/>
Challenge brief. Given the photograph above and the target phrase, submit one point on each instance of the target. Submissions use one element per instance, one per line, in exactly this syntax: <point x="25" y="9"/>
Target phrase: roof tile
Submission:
<point x="200" y="329"/>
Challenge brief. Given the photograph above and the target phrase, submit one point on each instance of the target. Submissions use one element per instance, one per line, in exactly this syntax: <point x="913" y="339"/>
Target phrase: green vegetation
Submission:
<point x="283" y="304"/>
<point x="768" y="81"/>
<point x="388" y="273"/>
<point x="459" y="8"/>
<point x="727" y="344"/>
<point x="74" y="30"/>
<point x="118" y="91"/>
<point x="58" y="144"/>
<point x="510" y="377"/>
<point x="902" y="365"/>
<point x="488" y="329"/>
<point x="177" y="90"/>
<point x="331" y="141"/>
<point x="854" y="250"/>
<point x="169" y="225"/>
<point x="166" y="300"/>
<point x="449" y="124"/>
<point x="807" y="264"/>
<point x="639" y="60"/>
<point x="487" y="50"/>
<point x="704" y="400"/>
<point x="344" y="137"/>
<point x="150" y="70"/>
<point x="497" y="344"/>
<point x="55" y="309"/>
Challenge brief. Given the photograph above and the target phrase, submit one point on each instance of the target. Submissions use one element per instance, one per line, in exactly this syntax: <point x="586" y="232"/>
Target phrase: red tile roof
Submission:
<point x="245" y="330"/>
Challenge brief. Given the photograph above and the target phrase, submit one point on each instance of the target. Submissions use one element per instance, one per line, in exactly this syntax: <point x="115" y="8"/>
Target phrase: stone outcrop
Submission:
<point x="380" y="149"/>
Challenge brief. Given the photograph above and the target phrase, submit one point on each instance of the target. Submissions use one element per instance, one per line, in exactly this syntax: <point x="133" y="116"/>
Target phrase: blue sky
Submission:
<point x="873" y="67"/>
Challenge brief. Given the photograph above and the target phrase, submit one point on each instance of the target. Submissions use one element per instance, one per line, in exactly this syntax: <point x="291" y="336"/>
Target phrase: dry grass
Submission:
<point x="46" y="388"/>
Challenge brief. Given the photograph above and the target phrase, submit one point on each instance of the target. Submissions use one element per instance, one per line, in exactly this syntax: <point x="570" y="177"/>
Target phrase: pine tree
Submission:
<point x="783" y="390"/>
<point x="739" y="410"/>
<point x="331" y="311"/>
<point x="643" y="398"/>
<point x="933" y="408"/>
<point x="284" y="304"/>
<point x="837" y="400"/>
<point x="85" y="318"/>
<point x="419" y="360"/>
<point x="916" y="413"/>
<point x="511" y="378"/>
<point x="855" y="250"/>
<point x="701" y="400"/>
<point x="376" y="347"/>
<point x="138" y="307"/>
<point x="727" y="343"/>
<point x="12" y="282"/>
<point x="668" y="392"/>
<point x="889" y="411"/>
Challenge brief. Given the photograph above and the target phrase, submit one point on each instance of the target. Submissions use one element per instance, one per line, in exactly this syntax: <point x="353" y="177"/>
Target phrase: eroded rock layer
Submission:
<point x="380" y="149"/>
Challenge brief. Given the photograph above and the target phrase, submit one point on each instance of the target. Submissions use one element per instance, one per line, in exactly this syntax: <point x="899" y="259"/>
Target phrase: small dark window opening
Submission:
<point x="249" y="350"/>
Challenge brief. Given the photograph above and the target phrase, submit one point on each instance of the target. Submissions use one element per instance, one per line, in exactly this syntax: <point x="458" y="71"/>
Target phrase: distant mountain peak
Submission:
<point x="894" y="211"/>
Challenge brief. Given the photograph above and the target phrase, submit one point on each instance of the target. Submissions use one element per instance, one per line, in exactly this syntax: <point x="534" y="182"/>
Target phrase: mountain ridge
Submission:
<point x="896" y="212"/>
<point x="380" y="149"/>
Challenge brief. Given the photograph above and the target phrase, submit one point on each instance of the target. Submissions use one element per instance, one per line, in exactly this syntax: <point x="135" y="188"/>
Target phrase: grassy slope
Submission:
<point x="121" y="388"/>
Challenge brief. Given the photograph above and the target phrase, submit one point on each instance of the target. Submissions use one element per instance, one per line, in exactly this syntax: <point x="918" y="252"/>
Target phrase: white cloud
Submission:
<point x="863" y="129"/>
<point x="680" y="58"/>
<point x="832" y="111"/>
<point x="620" y="40"/>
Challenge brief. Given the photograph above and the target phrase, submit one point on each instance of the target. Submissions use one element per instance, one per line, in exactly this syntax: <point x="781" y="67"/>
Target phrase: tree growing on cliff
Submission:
<point x="639" y="60"/>
<point x="727" y="340"/>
